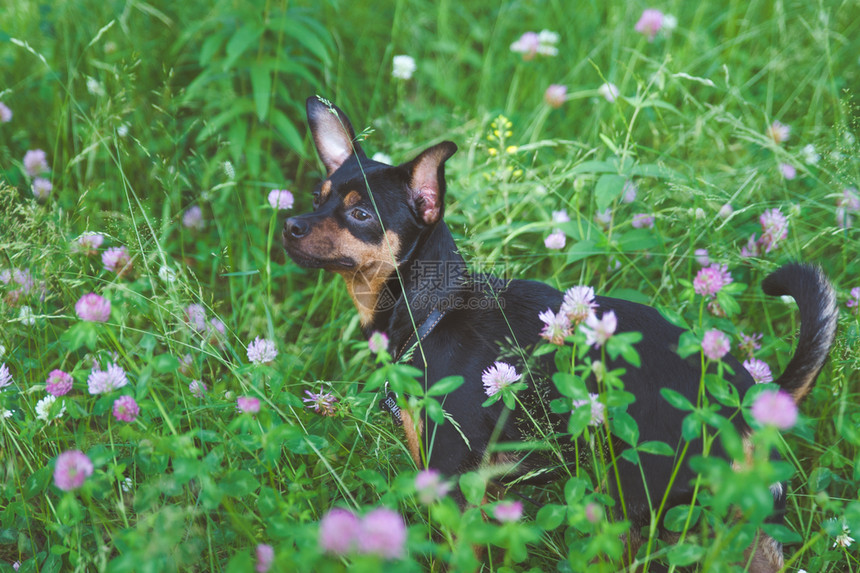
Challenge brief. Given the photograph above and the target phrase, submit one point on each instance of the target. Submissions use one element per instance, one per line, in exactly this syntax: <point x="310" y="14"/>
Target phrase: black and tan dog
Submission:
<point x="380" y="227"/>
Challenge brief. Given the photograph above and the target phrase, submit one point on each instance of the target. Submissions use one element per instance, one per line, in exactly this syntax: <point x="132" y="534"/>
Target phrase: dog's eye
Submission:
<point x="316" y="199"/>
<point x="360" y="214"/>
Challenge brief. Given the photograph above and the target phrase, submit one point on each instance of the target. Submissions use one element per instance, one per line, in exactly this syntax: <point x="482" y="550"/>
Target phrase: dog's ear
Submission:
<point x="427" y="181"/>
<point x="333" y="135"/>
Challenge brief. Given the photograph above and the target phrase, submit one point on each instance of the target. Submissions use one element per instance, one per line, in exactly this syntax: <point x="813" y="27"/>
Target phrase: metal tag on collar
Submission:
<point x="389" y="404"/>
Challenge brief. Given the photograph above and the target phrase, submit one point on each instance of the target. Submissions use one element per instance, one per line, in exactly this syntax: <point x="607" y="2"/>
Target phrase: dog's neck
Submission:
<point x="432" y="278"/>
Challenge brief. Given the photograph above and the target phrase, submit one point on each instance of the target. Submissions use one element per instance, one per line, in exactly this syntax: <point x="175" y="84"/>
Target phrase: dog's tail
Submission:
<point x="817" y="304"/>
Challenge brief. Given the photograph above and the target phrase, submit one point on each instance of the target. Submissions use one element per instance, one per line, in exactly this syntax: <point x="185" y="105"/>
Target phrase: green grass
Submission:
<point x="148" y="109"/>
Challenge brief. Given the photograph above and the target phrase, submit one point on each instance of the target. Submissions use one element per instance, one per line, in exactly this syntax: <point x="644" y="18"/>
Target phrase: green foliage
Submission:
<point x="149" y="111"/>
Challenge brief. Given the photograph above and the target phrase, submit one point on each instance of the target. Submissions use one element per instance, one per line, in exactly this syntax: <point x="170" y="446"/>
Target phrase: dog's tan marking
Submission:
<point x="351" y="199"/>
<point x="413" y="433"/>
<point x="375" y="265"/>
<point x="325" y="190"/>
<point x="765" y="555"/>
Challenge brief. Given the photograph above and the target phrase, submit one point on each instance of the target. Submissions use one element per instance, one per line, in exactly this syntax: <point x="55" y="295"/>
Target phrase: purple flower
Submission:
<point x="593" y="512"/>
<point x="197" y="388"/>
<point x="527" y="45"/>
<point x="103" y="381"/>
<point x="726" y="211"/>
<point x="749" y="344"/>
<point x="265" y="558"/>
<point x="556" y="326"/>
<point x="555" y="240"/>
<point x="58" y="383"/>
<point x="775" y="228"/>
<point x="715" y="344"/>
<point x="430" y="486"/>
<point x="609" y="92"/>
<point x="604" y="218"/>
<point x="383" y="533"/>
<point x="262" y="351"/>
<point x="280" y="199"/>
<point x="5" y="376"/>
<point x="322" y="403"/>
<point x="42" y="188"/>
<point x="339" y="531"/>
<point x="560" y="216"/>
<point x="35" y="162"/>
<point x="578" y="303"/>
<point x="193" y="218"/>
<point x="93" y="308"/>
<point x="72" y="469"/>
<point x="377" y="342"/>
<point x="710" y="280"/>
<point x="88" y="243"/>
<point x="508" y="511"/>
<point x="195" y="316"/>
<point x="598" y="331"/>
<point x="629" y="191"/>
<point x="759" y="370"/>
<point x="125" y="409"/>
<point x="555" y="95"/>
<point x="5" y="113"/>
<point x="779" y="132"/>
<point x="788" y="171"/>
<point x="117" y="260"/>
<point x="702" y="257"/>
<point x="649" y="23"/>
<point x="775" y="408"/>
<point x="643" y="220"/>
<point x="854" y="302"/>
<point x="248" y="404"/>
<point x="499" y="376"/>
<point x="597" y="408"/>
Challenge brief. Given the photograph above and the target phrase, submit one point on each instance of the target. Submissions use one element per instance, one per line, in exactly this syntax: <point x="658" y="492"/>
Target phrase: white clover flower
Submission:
<point x="26" y="316"/>
<point x="404" y="67"/>
<point x="43" y="408"/>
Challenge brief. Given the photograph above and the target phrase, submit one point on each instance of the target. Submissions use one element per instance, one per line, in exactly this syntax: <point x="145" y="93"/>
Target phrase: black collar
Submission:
<point x="420" y="333"/>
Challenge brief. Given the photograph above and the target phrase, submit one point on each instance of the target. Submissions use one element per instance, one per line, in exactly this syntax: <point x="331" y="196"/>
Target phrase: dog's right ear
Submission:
<point x="333" y="135"/>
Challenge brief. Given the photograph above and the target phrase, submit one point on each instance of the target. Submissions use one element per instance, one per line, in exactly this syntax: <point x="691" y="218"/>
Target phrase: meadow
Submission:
<point x="177" y="395"/>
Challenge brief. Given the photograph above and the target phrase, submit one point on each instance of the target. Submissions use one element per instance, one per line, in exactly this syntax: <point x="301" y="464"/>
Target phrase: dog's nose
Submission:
<point x="295" y="228"/>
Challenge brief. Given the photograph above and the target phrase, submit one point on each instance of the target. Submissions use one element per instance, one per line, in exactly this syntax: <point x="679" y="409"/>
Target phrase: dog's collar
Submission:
<point x="389" y="400"/>
<point x="419" y="334"/>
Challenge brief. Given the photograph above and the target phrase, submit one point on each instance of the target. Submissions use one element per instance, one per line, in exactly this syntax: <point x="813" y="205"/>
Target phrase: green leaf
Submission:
<point x="582" y="250"/>
<point x="624" y="426"/>
<point x="688" y="344"/>
<point x="299" y="30"/>
<point x="781" y="533"/>
<point x="288" y="131"/>
<point x="676" y="517"/>
<point x="37" y="482"/>
<point x="608" y="189"/>
<point x="676" y="399"/>
<point x="239" y="483"/>
<point x="594" y="167"/>
<point x="473" y="487"/>
<point x="551" y="516"/>
<point x="656" y="448"/>
<point x="261" y="85"/>
<point x="434" y="410"/>
<point x="165" y="363"/>
<point x="445" y="386"/>
<point x="240" y="42"/>
<point x="685" y="554"/>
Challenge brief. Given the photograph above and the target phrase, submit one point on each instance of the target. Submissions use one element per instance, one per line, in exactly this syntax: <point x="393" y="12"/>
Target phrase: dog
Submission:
<point x="381" y="228"/>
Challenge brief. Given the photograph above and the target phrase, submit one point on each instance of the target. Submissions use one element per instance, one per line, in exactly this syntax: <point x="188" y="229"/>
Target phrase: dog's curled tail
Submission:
<point x="817" y="304"/>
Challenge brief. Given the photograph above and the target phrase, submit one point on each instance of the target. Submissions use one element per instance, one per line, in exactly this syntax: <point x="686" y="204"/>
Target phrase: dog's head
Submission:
<point x="367" y="215"/>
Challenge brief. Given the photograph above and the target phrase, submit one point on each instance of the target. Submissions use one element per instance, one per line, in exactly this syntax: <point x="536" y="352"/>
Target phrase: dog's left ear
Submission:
<point x="427" y="181"/>
<point x="333" y="135"/>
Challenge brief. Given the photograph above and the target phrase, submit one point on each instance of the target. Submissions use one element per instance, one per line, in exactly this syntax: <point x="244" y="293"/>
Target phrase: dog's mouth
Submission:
<point x="309" y="261"/>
